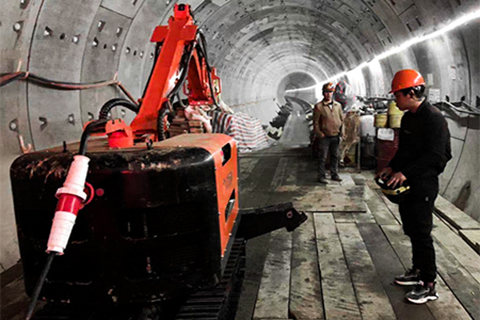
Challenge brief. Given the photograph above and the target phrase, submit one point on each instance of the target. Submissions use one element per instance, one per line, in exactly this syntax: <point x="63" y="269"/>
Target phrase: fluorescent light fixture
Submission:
<point x="407" y="44"/>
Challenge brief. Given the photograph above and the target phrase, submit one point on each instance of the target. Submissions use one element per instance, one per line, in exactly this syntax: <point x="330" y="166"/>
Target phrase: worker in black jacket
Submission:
<point x="424" y="150"/>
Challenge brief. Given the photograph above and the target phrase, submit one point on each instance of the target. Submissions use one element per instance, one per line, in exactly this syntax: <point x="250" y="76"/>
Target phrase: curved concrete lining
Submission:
<point x="255" y="44"/>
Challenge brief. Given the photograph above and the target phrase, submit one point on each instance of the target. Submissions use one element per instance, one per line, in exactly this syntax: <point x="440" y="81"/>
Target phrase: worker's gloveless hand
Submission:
<point x="397" y="179"/>
<point x="384" y="173"/>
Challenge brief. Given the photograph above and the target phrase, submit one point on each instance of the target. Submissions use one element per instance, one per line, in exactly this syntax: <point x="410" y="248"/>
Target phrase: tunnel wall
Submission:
<point x="463" y="186"/>
<point x="254" y="45"/>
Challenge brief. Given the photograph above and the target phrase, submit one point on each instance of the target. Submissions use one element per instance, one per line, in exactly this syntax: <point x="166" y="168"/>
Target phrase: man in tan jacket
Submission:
<point x="328" y="126"/>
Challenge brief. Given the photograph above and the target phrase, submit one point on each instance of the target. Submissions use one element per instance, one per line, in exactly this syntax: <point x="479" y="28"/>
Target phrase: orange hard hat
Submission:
<point x="407" y="78"/>
<point x="328" y="87"/>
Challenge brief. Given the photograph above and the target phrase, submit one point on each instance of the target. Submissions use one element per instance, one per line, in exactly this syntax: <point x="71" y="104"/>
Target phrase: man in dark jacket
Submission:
<point x="424" y="150"/>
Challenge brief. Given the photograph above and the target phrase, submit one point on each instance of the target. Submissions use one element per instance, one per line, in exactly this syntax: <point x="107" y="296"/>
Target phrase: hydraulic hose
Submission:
<point x="210" y="82"/>
<point x="158" y="49"/>
<point x="161" y="115"/>
<point x="86" y="133"/>
<point x="180" y="101"/>
<point x="112" y="103"/>
<point x="187" y="56"/>
<point x="209" y="69"/>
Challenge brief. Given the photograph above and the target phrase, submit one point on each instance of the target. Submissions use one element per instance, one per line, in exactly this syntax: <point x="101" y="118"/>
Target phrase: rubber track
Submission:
<point x="221" y="301"/>
<point x="217" y="303"/>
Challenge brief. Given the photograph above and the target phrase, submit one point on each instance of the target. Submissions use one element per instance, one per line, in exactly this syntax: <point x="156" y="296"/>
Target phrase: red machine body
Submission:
<point x="224" y="153"/>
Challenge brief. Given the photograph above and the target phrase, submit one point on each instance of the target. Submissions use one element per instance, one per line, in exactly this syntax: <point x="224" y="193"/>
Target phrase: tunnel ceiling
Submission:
<point x="271" y="38"/>
<point x="284" y="36"/>
<point x="251" y="42"/>
<point x="254" y="44"/>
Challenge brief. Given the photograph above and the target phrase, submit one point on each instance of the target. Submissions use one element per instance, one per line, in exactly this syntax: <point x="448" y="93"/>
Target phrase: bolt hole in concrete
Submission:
<point x="13" y="125"/>
<point x="17" y="26"/>
<point x="43" y="122"/>
<point x="47" y="32"/>
<point x="100" y="25"/>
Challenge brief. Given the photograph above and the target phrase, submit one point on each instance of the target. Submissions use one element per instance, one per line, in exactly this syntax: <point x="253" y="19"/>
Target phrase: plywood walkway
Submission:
<point x="340" y="264"/>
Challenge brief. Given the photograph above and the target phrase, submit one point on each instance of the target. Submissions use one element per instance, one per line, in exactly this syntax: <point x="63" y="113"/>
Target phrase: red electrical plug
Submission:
<point x="71" y="198"/>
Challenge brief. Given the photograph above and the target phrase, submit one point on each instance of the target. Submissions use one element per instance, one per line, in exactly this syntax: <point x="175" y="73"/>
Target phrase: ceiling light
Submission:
<point x="407" y="44"/>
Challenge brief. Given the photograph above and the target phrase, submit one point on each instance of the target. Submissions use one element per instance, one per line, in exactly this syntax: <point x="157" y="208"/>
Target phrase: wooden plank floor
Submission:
<point x="340" y="263"/>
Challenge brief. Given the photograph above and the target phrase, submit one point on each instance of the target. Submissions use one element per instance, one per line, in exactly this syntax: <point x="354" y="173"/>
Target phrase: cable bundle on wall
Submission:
<point x="22" y="75"/>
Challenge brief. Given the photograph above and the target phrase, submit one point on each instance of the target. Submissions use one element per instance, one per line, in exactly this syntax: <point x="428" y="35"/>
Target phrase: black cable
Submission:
<point x="158" y="49"/>
<point x="6" y="80"/>
<point x="112" y="103"/>
<point x="165" y="109"/>
<point x="43" y="275"/>
<point x="191" y="13"/>
<point x="203" y="42"/>
<point x="185" y="62"/>
<point x="39" y="285"/>
<point x="86" y="133"/>
<point x="453" y="107"/>
<point x="209" y="69"/>
<point x="53" y="82"/>
<point x="469" y="107"/>
<point x="180" y="101"/>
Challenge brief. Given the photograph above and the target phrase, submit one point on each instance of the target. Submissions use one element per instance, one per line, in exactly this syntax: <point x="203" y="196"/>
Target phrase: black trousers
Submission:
<point x="416" y="212"/>
<point x="327" y="144"/>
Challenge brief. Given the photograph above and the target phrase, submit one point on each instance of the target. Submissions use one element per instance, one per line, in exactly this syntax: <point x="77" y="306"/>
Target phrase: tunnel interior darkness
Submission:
<point x="261" y="48"/>
<point x="297" y="80"/>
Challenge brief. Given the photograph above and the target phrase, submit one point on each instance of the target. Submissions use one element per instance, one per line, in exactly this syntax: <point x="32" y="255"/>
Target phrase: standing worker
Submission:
<point x="328" y="126"/>
<point x="423" y="152"/>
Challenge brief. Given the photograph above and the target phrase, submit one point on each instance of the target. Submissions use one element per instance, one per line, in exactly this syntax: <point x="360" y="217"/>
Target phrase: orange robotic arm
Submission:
<point x="182" y="57"/>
